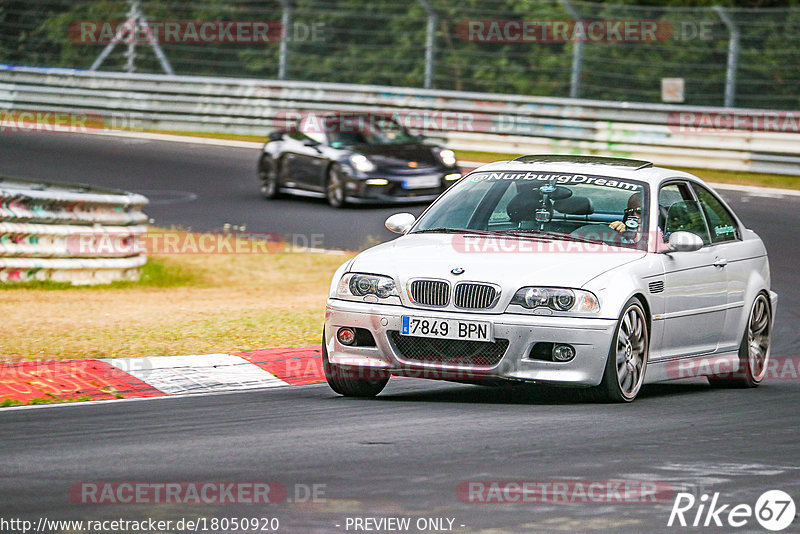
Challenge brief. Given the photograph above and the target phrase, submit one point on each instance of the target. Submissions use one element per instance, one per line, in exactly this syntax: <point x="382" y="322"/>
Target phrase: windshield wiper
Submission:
<point x="460" y="231"/>
<point x="498" y="233"/>
<point x="456" y="231"/>
<point x="558" y="236"/>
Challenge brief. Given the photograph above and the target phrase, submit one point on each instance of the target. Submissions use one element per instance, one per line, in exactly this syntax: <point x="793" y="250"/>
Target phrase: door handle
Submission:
<point x="720" y="262"/>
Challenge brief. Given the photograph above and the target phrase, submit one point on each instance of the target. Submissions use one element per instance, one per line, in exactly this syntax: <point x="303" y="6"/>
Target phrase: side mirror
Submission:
<point x="400" y="223"/>
<point x="684" y="242"/>
<point x="310" y="142"/>
<point x="277" y="135"/>
<point x="421" y="137"/>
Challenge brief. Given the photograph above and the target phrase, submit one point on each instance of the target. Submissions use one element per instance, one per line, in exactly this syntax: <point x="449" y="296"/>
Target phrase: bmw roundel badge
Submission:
<point x="457" y="270"/>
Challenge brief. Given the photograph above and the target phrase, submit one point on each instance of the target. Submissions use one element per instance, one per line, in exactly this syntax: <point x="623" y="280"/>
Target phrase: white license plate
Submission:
<point x="422" y="182"/>
<point x="446" y="328"/>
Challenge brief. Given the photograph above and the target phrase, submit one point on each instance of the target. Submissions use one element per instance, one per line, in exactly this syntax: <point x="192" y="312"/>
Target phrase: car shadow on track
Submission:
<point x="532" y="394"/>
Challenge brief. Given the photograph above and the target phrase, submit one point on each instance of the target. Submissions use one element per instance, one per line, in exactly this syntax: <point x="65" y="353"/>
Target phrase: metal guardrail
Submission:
<point x="508" y="124"/>
<point x="69" y="233"/>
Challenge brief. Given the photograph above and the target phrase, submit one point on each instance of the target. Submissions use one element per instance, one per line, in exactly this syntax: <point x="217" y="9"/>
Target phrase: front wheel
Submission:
<point x="334" y="187"/>
<point x="753" y="350"/>
<point x="355" y="382"/>
<point x="268" y="174"/>
<point x="627" y="359"/>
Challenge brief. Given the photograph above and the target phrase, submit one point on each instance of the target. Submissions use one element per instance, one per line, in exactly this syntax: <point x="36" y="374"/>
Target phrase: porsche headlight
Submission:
<point x="557" y="299"/>
<point x="447" y="156"/>
<point x="356" y="286"/>
<point x="361" y="163"/>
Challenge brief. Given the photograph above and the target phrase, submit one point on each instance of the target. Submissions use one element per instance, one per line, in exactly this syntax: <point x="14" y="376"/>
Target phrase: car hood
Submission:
<point x="399" y="155"/>
<point x="508" y="262"/>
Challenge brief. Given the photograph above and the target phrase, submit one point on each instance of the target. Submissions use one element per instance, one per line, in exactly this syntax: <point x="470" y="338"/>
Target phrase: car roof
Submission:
<point x="632" y="169"/>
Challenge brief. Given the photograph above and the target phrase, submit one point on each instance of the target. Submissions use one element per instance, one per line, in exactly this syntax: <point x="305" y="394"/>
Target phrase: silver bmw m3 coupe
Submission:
<point x="597" y="273"/>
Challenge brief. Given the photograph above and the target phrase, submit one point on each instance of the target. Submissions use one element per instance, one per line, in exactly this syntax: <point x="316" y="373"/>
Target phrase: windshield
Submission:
<point x="559" y="206"/>
<point x="366" y="130"/>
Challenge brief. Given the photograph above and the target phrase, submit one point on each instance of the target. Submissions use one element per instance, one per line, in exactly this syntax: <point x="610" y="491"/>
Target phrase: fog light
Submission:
<point x="562" y="353"/>
<point x="377" y="181"/>
<point x="452" y="177"/>
<point x="346" y="336"/>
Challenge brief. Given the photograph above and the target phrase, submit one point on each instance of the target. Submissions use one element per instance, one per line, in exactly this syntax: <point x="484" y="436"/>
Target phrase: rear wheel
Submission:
<point x="753" y="350"/>
<point x="355" y="382"/>
<point x="268" y="173"/>
<point x="627" y="359"/>
<point x="334" y="187"/>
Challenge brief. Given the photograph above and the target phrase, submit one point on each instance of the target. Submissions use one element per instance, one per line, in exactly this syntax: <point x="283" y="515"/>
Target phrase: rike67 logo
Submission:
<point x="774" y="510"/>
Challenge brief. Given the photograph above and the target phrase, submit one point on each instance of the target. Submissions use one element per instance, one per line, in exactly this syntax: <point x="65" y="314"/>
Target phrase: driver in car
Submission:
<point x="632" y="220"/>
<point x="633" y="216"/>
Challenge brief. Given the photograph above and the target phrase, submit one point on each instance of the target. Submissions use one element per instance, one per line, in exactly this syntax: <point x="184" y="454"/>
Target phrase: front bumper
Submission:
<point x="358" y="191"/>
<point x="591" y="339"/>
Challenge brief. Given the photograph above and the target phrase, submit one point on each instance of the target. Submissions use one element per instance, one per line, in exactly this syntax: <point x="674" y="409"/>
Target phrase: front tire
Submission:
<point x="342" y="381"/>
<point x="268" y="174"/>
<point x="753" y="350"/>
<point x="627" y="359"/>
<point x="334" y="187"/>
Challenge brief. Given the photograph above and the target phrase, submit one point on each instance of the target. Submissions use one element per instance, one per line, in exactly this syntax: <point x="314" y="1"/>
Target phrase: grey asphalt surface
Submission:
<point x="405" y="452"/>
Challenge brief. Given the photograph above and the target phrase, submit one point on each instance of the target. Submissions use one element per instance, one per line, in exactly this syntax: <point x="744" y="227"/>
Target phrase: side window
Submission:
<point x="679" y="212"/>
<point x="721" y="223"/>
<point x="671" y="194"/>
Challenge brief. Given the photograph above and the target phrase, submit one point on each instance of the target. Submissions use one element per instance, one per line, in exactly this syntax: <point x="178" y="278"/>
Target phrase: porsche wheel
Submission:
<point x="268" y="173"/>
<point x="334" y="187"/>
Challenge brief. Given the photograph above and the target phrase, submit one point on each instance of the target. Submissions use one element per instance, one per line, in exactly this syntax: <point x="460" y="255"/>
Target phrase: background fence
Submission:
<point x="732" y="56"/>
<point x="68" y="233"/>
<point x="482" y="122"/>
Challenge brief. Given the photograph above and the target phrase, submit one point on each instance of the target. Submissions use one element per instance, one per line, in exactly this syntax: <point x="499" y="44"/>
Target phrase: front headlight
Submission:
<point x="361" y="163"/>
<point x="447" y="156"/>
<point x="356" y="286"/>
<point x="557" y="299"/>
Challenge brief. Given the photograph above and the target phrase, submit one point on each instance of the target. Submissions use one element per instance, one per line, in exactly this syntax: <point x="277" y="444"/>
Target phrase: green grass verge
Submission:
<point x="155" y="273"/>
<point x="212" y="135"/>
<point x="183" y="304"/>
<point x="5" y="403"/>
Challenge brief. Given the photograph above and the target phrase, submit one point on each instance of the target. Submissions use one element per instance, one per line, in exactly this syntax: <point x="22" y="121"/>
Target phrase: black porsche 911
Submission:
<point x="354" y="157"/>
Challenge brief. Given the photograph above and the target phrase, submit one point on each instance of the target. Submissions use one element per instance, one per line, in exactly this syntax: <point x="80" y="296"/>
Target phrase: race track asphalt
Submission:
<point x="404" y="453"/>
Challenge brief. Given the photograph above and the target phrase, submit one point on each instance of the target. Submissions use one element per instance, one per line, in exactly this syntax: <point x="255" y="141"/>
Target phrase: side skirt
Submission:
<point x="692" y="366"/>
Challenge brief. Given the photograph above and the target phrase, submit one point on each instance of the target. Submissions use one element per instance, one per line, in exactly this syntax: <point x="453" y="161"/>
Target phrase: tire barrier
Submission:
<point x="69" y="233"/>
